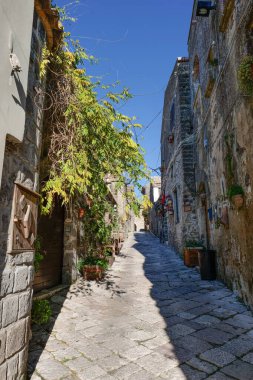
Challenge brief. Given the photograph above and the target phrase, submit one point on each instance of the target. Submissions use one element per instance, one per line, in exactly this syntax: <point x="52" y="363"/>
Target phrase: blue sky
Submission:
<point x="136" y="42"/>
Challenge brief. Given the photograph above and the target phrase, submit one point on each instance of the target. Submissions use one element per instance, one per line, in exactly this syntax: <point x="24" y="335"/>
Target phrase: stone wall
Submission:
<point x="178" y="179"/>
<point x="139" y="223"/>
<point x="20" y="171"/>
<point x="223" y="119"/>
<point x="16" y="268"/>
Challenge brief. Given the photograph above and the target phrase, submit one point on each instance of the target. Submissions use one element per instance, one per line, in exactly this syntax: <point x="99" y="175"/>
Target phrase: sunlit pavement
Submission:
<point x="151" y="318"/>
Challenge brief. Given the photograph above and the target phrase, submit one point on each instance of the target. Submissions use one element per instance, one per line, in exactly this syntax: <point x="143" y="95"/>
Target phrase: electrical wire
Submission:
<point x="150" y="123"/>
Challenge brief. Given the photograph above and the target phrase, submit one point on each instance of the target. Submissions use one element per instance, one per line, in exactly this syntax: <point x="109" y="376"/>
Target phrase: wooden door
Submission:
<point x="50" y="231"/>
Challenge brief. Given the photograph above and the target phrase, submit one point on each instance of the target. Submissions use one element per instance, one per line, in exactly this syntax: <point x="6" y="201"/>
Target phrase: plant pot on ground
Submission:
<point x="236" y="196"/>
<point x="191" y="253"/>
<point x="92" y="267"/>
<point x="110" y="251"/>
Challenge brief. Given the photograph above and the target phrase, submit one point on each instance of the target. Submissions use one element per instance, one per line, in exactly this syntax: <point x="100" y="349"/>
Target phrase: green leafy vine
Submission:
<point x="88" y="139"/>
<point x="245" y="75"/>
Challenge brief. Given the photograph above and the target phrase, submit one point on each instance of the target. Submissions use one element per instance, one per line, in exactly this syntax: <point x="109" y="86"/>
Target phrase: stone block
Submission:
<point x="179" y="330"/>
<point x="202" y="365"/>
<point x="2" y="345"/>
<point x="22" y="258"/>
<point x="213" y="335"/>
<point x="243" y="321"/>
<point x="10" y="310"/>
<point x="30" y="274"/>
<point x="239" y="346"/>
<point x="93" y="372"/>
<point x="6" y="282"/>
<point x="1" y="312"/>
<point x="219" y="376"/>
<point x="50" y="369"/>
<point x="135" y="353"/>
<point x="3" y="371"/>
<point x="126" y="371"/>
<point x="23" y="361"/>
<point x="190" y="373"/>
<point x="217" y="357"/>
<point x="248" y="358"/>
<point x="25" y="303"/>
<point x="12" y="368"/>
<point x="16" y="337"/>
<point x="28" y="332"/>
<point x="239" y="370"/>
<point x="207" y="320"/>
<point x="21" y="279"/>
<point x="193" y="344"/>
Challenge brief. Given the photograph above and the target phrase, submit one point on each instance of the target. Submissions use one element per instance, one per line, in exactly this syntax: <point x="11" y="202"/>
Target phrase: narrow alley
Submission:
<point x="151" y="318"/>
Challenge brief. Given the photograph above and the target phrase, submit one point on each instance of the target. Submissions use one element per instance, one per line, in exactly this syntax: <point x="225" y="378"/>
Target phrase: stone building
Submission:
<point x="153" y="191"/>
<point x="25" y="28"/>
<point x="177" y="160"/>
<point x="219" y="41"/>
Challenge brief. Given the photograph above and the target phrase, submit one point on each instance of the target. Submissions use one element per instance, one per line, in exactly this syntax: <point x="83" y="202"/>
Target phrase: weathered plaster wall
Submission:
<point x="15" y="37"/>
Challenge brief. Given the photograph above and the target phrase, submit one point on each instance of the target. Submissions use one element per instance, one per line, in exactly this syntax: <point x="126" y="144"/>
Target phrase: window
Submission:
<point x="196" y="68"/>
<point x="172" y="117"/>
<point x="176" y="206"/>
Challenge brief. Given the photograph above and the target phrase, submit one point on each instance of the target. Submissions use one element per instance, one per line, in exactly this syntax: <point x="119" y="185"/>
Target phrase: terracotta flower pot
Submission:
<point x="238" y="201"/>
<point x="93" y="272"/>
<point x="81" y="213"/>
<point x="191" y="256"/>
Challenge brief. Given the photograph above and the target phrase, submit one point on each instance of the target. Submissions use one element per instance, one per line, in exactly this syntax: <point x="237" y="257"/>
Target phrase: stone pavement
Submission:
<point x="151" y="318"/>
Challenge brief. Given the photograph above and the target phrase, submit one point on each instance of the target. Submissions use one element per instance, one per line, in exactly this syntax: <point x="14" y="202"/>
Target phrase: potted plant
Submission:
<point x="171" y="138"/>
<point x="191" y="252"/>
<point x="236" y="195"/>
<point x="169" y="205"/>
<point x="92" y="267"/>
<point x="109" y="251"/>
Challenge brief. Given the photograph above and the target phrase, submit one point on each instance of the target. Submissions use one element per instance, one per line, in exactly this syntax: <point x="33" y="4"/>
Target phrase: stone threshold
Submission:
<point x="48" y="293"/>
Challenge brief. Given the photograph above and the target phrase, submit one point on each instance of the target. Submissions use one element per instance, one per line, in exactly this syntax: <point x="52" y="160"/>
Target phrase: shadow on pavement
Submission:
<point x="41" y="333"/>
<point x="195" y="312"/>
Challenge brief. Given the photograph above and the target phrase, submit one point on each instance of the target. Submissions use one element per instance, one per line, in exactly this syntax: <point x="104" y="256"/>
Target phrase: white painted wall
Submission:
<point x="156" y="193"/>
<point x="16" y="18"/>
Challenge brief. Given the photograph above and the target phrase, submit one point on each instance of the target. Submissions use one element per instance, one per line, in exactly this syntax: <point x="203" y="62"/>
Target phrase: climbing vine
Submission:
<point x="245" y="75"/>
<point x="88" y="137"/>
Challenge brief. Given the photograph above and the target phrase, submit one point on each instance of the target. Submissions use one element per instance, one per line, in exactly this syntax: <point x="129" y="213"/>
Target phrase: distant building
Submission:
<point x="153" y="191"/>
<point x="177" y="160"/>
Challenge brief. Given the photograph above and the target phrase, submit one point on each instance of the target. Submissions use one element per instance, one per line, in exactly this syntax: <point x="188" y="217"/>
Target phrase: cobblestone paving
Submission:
<point x="151" y="318"/>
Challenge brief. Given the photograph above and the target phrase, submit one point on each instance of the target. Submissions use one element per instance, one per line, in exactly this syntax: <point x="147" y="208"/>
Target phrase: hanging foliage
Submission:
<point x="88" y="137"/>
<point x="245" y="75"/>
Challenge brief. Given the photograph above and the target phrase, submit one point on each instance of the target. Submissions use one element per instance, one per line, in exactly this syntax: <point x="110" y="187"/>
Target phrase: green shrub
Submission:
<point x="245" y="75"/>
<point x="193" y="243"/>
<point x="41" y="312"/>
<point x="91" y="260"/>
<point x="38" y="254"/>
<point x="235" y="190"/>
